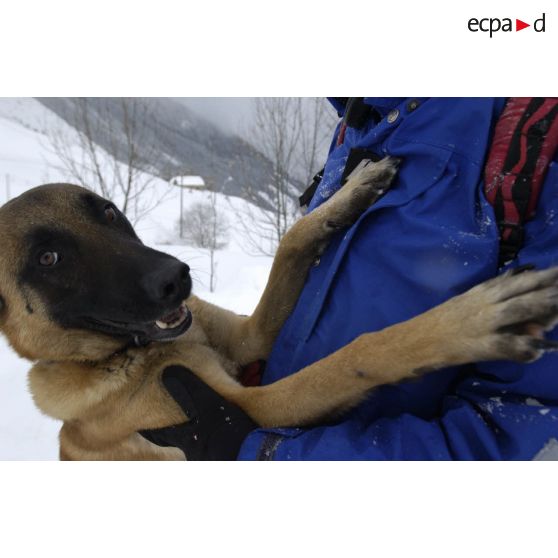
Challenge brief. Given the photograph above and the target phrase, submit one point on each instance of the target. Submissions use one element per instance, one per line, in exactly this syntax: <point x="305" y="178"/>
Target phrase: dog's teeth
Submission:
<point x="171" y="325"/>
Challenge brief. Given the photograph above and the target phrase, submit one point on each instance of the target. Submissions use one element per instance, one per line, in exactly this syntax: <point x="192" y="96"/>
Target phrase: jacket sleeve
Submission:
<point x="498" y="410"/>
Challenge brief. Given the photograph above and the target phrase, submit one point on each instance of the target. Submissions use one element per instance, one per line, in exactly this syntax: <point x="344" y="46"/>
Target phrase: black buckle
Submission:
<point x="509" y="248"/>
<point x="308" y="194"/>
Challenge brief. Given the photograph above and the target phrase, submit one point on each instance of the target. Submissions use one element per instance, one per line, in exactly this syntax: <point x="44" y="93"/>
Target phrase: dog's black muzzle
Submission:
<point x="158" y="313"/>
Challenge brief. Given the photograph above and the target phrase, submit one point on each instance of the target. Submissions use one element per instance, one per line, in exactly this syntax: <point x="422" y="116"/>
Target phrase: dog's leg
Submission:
<point x="245" y="339"/>
<point x="75" y="447"/>
<point x="504" y="318"/>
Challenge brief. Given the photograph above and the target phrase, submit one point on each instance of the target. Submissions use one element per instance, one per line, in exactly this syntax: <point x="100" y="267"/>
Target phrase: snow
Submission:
<point x="532" y="402"/>
<point x="24" y="155"/>
<point x="549" y="452"/>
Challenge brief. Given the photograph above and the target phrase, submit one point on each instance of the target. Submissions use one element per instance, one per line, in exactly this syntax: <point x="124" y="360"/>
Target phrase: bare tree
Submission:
<point x="318" y="122"/>
<point x="206" y="228"/>
<point x="110" y="148"/>
<point x="292" y="133"/>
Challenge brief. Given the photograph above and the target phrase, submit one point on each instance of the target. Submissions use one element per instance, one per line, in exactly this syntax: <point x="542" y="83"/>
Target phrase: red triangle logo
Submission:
<point x="519" y="25"/>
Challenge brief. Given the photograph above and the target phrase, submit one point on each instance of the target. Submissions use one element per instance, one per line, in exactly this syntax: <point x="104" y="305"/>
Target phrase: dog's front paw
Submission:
<point x="506" y="317"/>
<point x="364" y="186"/>
<point x="373" y="179"/>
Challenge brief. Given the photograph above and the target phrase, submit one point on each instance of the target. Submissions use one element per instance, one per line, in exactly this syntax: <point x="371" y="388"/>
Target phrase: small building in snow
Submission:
<point x="191" y="182"/>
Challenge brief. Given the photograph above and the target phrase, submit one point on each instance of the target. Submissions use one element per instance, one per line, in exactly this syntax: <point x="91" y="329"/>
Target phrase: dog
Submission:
<point x="101" y="315"/>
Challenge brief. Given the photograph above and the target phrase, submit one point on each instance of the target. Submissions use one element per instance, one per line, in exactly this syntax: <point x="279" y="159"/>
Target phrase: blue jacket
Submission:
<point x="432" y="236"/>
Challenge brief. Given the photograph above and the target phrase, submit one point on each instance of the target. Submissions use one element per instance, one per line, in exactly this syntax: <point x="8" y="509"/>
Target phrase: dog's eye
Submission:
<point x="48" y="259"/>
<point x="110" y="213"/>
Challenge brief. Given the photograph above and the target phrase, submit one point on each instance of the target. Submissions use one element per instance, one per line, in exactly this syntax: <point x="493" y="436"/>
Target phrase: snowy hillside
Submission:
<point x="177" y="141"/>
<point x="25" y="162"/>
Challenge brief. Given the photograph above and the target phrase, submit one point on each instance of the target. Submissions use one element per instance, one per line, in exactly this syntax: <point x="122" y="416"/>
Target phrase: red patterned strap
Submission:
<point x="251" y="374"/>
<point x="525" y="141"/>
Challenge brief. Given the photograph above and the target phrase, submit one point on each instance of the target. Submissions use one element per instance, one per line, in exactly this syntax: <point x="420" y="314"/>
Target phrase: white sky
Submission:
<point x="230" y="113"/>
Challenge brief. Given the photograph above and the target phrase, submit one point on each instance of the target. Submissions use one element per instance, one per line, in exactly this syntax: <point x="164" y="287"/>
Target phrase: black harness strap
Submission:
<point x="357" y="114"/>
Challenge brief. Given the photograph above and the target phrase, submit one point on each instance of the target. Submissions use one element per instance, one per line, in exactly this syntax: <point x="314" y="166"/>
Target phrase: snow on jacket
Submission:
<point x="432" y="236"/>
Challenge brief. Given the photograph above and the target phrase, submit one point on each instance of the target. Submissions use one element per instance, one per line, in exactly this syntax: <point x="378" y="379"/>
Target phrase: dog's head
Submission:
<point x="77" y="283"/>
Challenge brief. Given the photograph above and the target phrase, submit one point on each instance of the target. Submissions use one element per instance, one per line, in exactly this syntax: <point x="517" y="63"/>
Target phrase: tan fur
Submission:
<point x="104" y="398"/>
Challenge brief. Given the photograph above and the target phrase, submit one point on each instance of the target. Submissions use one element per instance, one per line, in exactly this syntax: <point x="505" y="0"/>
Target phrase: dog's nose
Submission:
<point x="169" y="283"/>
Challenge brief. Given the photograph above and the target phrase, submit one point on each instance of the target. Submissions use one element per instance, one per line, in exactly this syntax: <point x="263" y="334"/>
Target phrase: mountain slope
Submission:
<point x="180" y="142"/>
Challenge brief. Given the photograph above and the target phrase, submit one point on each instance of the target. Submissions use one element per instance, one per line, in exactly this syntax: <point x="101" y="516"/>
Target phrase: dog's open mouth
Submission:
<point x="170" y="325"/>
<point x="167" y="327"/>
<point x="174" y="319"/>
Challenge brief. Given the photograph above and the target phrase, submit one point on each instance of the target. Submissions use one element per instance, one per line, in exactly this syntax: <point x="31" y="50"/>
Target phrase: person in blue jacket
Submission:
<point x="432" y="236"/>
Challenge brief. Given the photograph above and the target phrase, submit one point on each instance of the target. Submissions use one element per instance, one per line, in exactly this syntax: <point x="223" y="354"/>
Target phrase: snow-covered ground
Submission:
<point x="26" y="158"/>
